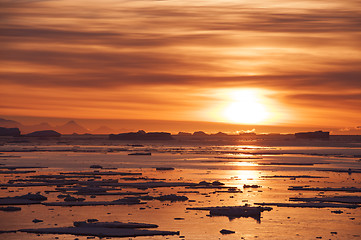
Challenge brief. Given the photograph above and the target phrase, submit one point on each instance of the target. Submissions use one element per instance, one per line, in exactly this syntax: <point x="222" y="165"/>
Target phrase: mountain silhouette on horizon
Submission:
<point x="10" y="123"/>
<point x="129" y="125"/>
<point x="25" y="129"/>
<point x="103" y="130"/>
<point x="71" y="127"/>
<point x="68" y="128"/>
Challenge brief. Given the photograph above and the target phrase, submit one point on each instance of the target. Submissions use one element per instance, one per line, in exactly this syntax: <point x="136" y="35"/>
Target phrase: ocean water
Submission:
<point x="232" y="164"/>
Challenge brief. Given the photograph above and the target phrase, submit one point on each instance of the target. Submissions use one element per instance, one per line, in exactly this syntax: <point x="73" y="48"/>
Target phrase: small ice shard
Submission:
<point x="69" y="198"/>
<point x="172" y="197"/>
<point x="123" y="201"/>
<point x="96" y="166"/>
<point x="33" y="197"/>
<point x="251" y="186"/>
<point x="217" y="183"/>
<point x="211" y="185"/>
<point x="114" y="224"/>
<point x="164" y="168"/>
<point x="225" y="231"/>
<point x="140" y="154"/>
<point x="204" y="183"/>
<point x="10" y="209"/>
<point x="37" y="220"/>
<point x="10" y="231"/>
<point x="341" y="189"/>
<point x="311" y="205"/>
<point x="337" y="211"/>
<point x="92" y="220"/>
<point x="16" y="171"/>
<point x="292" y="176"/>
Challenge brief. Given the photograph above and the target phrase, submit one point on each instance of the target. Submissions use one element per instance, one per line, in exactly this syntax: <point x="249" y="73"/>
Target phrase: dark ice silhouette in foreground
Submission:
<point x="114" y="224"/>
<point x="311" y="205"/>
<point x="122" y="201"/>
<point x="17" y="172"/>
<point x="164" y="168"/>
<point x="225" y="231"/>
<point x="140" y="154"/>
<point x="235" y="211"/>
<point x="10" y="209"/>
<point x="292" y="177"/>
<point x="104" y="229"/>
<point x="349" y="171"/>
<point x="169" y="197"/>
<point x="23" y="200"/>
<point x="338" y="199"/>
<point x="321" y="189"/>
<point x="102" y="173"/>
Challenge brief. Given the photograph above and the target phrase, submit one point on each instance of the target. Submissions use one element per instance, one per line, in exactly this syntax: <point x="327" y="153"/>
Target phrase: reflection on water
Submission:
<point x="247" y="175"/>
<point x="235" y="166"/>
<point x="245" y="164"/>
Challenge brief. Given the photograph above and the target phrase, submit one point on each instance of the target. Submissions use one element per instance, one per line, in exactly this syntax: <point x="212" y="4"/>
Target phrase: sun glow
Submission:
<point x="246" y="106"/>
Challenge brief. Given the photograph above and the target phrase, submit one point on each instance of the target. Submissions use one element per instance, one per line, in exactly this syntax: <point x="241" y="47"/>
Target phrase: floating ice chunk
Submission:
<point x="37" y="220"/>
<point x="235" y="211"/>
<point x="100" y="231"/>
<point x="311" y="205"/>
<point x="225" y="231"/>
<point x="114" y="224"/>
<point x="123" y="201"/>
<point x="342" y="189"/>
<point x="10" y="209"/>
<point x="23" y="200"/>
<point x="340" y="199"/>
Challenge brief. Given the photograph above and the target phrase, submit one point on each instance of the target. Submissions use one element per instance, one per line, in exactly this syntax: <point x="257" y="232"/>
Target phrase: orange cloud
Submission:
<point x="160" y="59"/>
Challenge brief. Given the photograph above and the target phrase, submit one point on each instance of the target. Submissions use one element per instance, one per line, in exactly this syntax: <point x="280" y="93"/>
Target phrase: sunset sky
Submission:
<point x="272" y="62"/>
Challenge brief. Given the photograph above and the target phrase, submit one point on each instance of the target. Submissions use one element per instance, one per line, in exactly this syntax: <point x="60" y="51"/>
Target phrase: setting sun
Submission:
<point x="182" y="66"/>
<point x="246" y="108"/>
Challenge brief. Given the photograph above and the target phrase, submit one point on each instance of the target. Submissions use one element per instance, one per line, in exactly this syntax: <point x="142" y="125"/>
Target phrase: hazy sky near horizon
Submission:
<point x="280" y="62"/>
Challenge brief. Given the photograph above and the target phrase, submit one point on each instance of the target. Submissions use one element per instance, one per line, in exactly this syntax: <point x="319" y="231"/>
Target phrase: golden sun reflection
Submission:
<point x="247" y="175"/>
<point x="245" y="164"/>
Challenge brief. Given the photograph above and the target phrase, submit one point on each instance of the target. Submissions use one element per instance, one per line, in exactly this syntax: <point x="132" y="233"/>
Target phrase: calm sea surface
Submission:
<point x="233" y="165"/>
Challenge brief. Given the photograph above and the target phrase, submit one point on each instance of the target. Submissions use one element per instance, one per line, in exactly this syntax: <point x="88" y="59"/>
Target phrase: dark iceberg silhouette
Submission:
<point x="141" y="135"/>
<point x="45" y="133"/>
<point x="13" y="132"/>
<point x="312" y="135"/>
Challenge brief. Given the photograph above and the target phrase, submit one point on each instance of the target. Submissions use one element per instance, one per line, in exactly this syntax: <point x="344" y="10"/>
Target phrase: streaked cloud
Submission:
<point x="152" y="58"/>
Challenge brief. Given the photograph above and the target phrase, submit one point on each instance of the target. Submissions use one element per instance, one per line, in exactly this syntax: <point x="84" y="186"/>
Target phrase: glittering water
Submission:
<point x="233" y="165"/>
